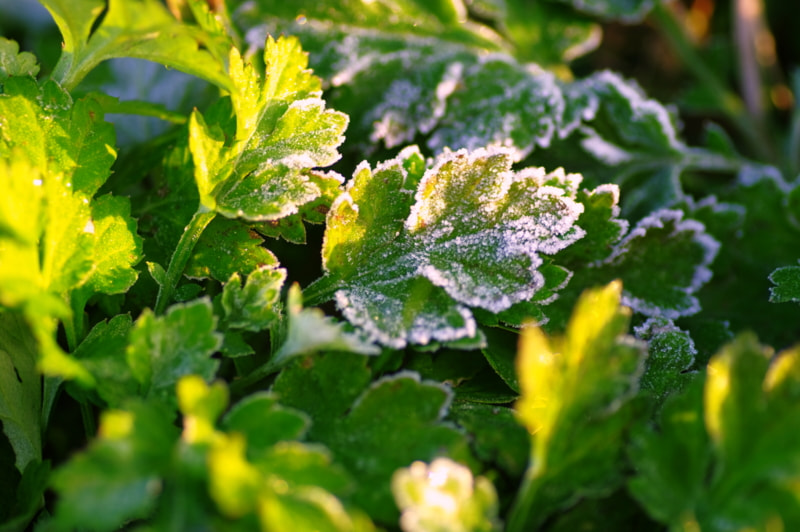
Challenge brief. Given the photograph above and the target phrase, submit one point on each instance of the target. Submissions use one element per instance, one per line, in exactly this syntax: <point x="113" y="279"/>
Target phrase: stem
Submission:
<point x="89" y="425"/>
<point x="181" y="255"/>
<point x="520" y="512"/>
<point x="730" y="103"/>
<point x="238" y="386"/>
<point x="52" y="386"/>
<point x="321" y="290"/>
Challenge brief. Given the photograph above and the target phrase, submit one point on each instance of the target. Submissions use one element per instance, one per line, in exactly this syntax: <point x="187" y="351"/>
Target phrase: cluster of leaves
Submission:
<point x="478" y="370"/>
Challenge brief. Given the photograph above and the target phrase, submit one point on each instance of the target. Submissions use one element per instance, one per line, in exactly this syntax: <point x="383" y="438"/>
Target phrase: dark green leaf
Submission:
<point x="372" y="430"/>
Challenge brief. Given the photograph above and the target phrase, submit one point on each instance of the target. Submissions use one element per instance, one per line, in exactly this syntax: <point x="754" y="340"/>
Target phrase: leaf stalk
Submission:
<point x="183" y="252"/>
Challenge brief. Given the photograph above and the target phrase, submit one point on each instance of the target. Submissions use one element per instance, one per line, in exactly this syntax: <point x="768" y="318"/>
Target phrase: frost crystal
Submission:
<point x="473" y="235"/>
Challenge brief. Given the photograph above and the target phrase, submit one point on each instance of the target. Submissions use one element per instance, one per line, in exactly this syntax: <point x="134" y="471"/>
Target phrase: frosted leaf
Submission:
<point x="635" y="138"/>
<point x="671" y="352"/>
<point x="383" y="313"/>
<point x="787" y="284"/>
<point x="499" y="102"/>
<point x="406" y="267"/>
<point x="629" y="11"/>
<point x="663" y="261"/>
<point x="282" y="132"/>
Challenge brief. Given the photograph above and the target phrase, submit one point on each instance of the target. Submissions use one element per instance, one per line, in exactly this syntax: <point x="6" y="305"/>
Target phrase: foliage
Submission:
<point x="394" y="265"/>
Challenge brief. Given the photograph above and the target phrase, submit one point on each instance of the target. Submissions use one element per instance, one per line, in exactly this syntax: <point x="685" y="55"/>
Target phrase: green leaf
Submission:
<point x="20" y="390"/>
<point x="282" y="482"/>
<point x="163" y="349"/>
<point x="411" y="17"/>
<point x="629" y="11"/>
<point x="102" y="353"/>
<point x="142" y="29"/>
<point x="444" y="496"/>
<point x="756" y="228"/>
<point x="724" y="452"/>
<point x="117" y="250"/>
<point x="575" y="402"/>
<point x="371" y="429"/>
<point x="671" y="353"/>
<point x="787" y="284"/>
<point x="309" y="331"/>
<point x="291" y="227"/>
<point x="119" y="477"/>
<point x="254" y="306"/>
<point x="282" y="131"/>
<point x="548" y="34"/>
<point x="472" y="238"/>
<point x="264" y="422"/>
<point x="499" y="103"/>
<point x="16" y="63"/>
<point x="497" y="436"/>
<point x="29" y="496"/>
<point x="228" y="247"/>
<point x="78" y="246"/>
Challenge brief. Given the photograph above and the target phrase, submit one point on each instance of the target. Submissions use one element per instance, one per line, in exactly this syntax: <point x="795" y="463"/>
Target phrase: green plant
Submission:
<point x="152" y="255"/>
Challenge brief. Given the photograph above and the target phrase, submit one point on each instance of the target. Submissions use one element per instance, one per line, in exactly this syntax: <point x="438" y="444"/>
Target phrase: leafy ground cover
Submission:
<point x="399" y="265"/>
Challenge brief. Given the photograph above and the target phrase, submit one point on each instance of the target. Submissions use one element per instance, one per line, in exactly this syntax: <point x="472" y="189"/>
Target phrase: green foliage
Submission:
<point x="575" y="401"/>
<point x="722" y="457"/>
<point x="451" y="349"/>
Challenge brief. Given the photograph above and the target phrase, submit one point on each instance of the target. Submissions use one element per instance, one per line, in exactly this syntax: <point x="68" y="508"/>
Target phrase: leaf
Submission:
<point x="410" y="77"/>
<point x="548" y="34"/>
<point x="281" y="482"/>
<point x="575" y="403"/>
<point x="371" y="429"/>
<point x="724" y="451"/>
<point x="444" y="496"/>
<point x="256" y="305"/>
<point x="310" y="331"/>
<point x="140" y="28"/>
<point x="443" y="17"/>
<point x="264" y="422"/>
<point x="473" y="237"/>
<point x="78" y="246"/>
<point x="496" y="435"/>
<point x="227" y="248"/>
<point x="671" y="353"/>
<point x="635" y="139"/>
<point x="165" y="348"/>
<point x="291" y="227"/>
<point x="20" y="390"/>
<point x="757" y="204"/>
<point x="102" y="354"/>
<point x="628" y="11"/>
<point x="118" y="250"/>
<point x="498" y="103"/>
<point x="787" y="284"/>
<point x="16" y="63"/>
<point x="118" y="478"/>
<point x="282" y="131"/>
<point x="662" y="262"/>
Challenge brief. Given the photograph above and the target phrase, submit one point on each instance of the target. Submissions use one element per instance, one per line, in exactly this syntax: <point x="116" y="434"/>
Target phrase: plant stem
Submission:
<point x="518" y="517"/>
<point x="89" y="425"/>
<point x="191" y="234"/>
<point x="730" y="103"/>
<point x="238" y="386"/>
<point x="321" y="290"/>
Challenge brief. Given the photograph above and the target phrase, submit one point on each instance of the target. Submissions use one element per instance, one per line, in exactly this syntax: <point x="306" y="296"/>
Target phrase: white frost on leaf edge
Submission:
<point x="414" y="376"/>
<point x="702" y="272"/>
<point x="355" y="313"/>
